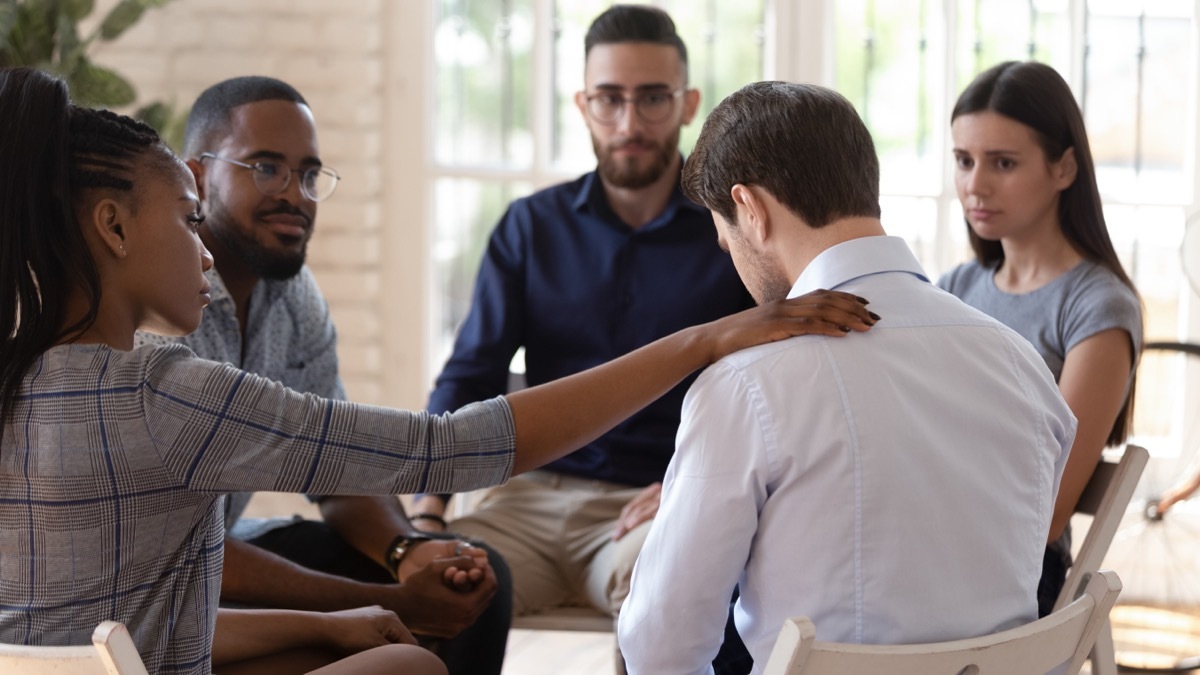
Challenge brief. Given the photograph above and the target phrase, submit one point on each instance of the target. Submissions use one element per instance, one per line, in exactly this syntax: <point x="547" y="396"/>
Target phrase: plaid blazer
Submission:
<point x="112" y="465"/>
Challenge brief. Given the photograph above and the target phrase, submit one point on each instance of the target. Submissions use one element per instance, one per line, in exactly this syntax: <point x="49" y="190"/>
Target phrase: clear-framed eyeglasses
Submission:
<point x="606" y="107"/>
<point x="272" y="177"/>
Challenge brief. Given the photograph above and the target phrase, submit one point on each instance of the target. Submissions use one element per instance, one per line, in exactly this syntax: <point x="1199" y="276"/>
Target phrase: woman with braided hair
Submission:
<point x="113" y="460"/>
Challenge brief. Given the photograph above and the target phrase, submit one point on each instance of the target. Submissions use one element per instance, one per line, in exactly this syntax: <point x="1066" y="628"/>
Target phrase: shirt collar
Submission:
<point x="218" y="292"/>
<point x="850" y="260"/>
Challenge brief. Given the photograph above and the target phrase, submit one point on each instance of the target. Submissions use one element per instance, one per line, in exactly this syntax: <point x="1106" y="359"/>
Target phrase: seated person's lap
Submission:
<point x="558" y="543"/>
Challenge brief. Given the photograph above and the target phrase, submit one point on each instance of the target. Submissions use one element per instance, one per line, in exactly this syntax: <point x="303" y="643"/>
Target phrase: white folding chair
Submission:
<point x="1063" y="638"/>
<point x="1105" y="497"/>
<point x="111" y="653"/>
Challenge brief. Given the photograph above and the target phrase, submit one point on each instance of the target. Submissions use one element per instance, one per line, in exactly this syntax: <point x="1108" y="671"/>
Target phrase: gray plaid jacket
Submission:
<point x="112" y="465"/>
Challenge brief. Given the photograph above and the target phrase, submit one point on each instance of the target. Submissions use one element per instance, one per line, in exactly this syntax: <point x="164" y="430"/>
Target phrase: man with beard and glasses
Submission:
<point x="871" y="484"/>
<point x="578" y="274"/>
<point x="252" y="144"/>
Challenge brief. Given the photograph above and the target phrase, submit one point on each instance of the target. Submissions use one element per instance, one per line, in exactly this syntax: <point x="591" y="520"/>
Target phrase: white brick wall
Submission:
<point x="342" y="57"/>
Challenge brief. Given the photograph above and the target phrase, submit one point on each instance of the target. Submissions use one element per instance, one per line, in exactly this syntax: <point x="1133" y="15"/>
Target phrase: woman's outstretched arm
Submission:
<point x="560" y="416"/>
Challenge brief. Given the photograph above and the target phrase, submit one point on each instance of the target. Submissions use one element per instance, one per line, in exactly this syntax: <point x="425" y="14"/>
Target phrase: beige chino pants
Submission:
<point x="555" y="532"/>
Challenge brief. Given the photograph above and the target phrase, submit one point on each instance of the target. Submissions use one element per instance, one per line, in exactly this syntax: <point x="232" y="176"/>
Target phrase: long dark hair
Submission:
<point x="50" y="152"/>
<point x="1035" y="95"/>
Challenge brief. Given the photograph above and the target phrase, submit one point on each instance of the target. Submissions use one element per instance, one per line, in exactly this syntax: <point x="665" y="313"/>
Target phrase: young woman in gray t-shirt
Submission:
<point x="1044" y="264"/>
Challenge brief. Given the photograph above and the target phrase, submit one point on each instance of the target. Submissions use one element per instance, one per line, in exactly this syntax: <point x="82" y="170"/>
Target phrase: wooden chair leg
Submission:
<point x="1103" y="657"/>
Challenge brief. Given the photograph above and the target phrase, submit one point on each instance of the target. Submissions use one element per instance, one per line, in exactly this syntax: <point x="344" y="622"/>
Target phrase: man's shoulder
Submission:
<point x="764" y="361"/>
<point x="545" y="212"/>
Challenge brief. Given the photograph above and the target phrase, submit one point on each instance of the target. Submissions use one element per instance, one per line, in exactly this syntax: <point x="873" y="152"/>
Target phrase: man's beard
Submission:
<point x="764" y="279"/>
<point x="235" y="240"/>
<point x="772" y="284"/>
<point x="626" y="174"/>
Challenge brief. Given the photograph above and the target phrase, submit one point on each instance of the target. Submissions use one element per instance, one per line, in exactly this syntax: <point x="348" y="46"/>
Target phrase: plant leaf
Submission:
<point x="30" y="40"/>
<point x="156" y="114"/>
<point x="76" y="9"/>
<point x="99" y="87"/>
<point x="124" y="15"/>
<point x="70" y="50"/>
<point x="167" y="120"/>
<point x="8" y="19"/>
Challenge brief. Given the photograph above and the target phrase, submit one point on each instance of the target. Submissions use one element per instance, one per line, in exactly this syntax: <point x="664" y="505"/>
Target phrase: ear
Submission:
<point x="691" y="103"/>
<point x="752" y="213"/>
<point x="581" y="104"/>
<point x="108" y="218"/>
<point x="1065" y="170"/>
<point x="197" y="168"/>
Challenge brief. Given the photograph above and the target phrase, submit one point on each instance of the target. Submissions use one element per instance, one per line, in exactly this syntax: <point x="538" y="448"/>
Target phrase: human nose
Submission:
<point x="206" y="259"/>
<point x="975" y="182"/>
<point x="628" y="118"/>
<point x="291" y="187"/>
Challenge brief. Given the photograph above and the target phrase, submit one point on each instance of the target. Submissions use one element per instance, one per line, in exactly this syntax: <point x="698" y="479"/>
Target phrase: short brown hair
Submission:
<point x="634" y="23"/>
<point x="804" y="144"/>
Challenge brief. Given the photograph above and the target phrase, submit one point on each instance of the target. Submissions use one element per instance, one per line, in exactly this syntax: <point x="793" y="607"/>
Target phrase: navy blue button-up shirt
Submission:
<point x="567" y="279"/>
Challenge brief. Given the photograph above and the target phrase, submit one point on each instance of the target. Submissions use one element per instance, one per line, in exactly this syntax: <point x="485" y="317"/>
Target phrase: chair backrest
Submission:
<point x="112" y="652"/>
<point x="1105" y="497"/>
<point x="1063" y="637"/>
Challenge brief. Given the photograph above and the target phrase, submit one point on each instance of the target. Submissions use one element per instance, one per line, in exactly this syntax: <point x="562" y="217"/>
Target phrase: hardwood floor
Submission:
<point x="547" y="652"/>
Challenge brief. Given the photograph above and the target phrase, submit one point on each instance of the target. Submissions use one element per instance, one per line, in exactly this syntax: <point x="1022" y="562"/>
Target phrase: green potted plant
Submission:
<point x="46" y="34"/>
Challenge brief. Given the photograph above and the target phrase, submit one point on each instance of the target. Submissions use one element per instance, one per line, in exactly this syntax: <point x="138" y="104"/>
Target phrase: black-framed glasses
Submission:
<point x="656" y="106"/>
<point x="272" y="177"/>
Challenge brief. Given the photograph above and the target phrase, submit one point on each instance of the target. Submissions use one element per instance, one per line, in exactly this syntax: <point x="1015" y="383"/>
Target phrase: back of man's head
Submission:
<point x="209" y="118"/>
<point x="803" y="143"/>
<point x="634" y="23"/>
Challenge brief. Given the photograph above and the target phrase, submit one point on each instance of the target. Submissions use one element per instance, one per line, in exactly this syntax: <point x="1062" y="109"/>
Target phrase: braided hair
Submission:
<point x="51" y="154"/>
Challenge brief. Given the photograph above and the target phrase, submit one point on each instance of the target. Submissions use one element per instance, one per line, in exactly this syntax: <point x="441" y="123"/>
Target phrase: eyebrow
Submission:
<point x="640" y="88"/>
<point x="989" y="153"/>
<point x="279" y="157"/>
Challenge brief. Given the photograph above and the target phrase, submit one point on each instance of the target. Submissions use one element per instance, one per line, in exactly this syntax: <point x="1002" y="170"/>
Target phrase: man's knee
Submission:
<point x="618" y="562"/>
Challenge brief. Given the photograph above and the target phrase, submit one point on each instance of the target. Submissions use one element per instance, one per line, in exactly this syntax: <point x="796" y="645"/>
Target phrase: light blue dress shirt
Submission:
<point x="895" y="486"/>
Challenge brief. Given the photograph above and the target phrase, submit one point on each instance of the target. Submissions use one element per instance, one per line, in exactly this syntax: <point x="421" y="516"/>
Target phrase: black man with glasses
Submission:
<point x="252" y="144"/>
<point x="577" y="274"/>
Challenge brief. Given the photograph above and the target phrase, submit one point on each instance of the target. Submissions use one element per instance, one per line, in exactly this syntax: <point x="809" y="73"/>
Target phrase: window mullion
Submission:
<point x="545" y="69"/>
<point x="944" y="251"/>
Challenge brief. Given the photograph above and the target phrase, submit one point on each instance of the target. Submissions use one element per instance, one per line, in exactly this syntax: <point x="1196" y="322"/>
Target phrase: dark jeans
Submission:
<point x="733" y="658"/>
<point x="478" y="650"/>
<point x="1054" y="577"/>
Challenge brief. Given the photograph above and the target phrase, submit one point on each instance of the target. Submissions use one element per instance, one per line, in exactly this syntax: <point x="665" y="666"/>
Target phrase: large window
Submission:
<point x="505" y="122"/>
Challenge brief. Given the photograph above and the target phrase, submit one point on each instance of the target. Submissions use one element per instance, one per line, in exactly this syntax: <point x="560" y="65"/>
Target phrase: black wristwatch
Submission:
<point x="400" y="547"/>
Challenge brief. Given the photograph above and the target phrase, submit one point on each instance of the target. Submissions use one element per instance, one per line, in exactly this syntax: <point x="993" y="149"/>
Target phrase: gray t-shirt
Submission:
<point x="1086" y="300"/>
